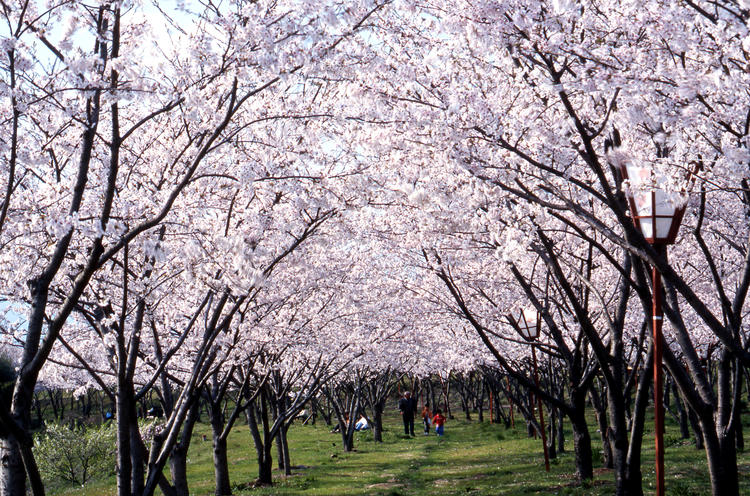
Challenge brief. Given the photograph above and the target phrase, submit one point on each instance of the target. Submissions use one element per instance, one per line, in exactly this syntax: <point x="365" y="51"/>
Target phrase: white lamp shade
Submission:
<point x="655" y="212"/>
<point x="527" y="323"/>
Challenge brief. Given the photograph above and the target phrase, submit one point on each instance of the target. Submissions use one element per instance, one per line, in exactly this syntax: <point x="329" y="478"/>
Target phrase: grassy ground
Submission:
<point x="472" y="458"/>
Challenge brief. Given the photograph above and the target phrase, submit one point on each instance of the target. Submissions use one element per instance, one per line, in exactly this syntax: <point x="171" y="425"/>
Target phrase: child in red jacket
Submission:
<point x="438" y="420"/>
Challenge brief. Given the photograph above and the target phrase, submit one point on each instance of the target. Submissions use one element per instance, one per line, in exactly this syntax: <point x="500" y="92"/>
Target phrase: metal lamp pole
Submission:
<point x="658" y="219"/>
<point x="658" y="317"/>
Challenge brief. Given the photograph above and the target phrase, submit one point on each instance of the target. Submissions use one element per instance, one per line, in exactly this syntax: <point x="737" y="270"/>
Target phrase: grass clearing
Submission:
<point x="473" y="458"/>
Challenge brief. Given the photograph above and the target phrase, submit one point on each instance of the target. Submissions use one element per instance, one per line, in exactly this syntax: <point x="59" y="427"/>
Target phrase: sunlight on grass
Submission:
<point x="472" y="458"/>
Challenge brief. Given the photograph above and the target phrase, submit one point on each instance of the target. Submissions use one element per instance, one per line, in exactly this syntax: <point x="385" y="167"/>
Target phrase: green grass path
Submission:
<point x="471" y="459"/>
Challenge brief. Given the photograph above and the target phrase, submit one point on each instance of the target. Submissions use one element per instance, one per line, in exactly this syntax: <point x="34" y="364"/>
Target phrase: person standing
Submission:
<point x="408" y="407"/>
<point x="426" y="418"/>
<point x="439" y="421"/>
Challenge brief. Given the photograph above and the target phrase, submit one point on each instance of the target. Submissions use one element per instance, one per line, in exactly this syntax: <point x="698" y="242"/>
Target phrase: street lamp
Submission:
<point x="527" y="323"/>
<point x="657" y="214"/>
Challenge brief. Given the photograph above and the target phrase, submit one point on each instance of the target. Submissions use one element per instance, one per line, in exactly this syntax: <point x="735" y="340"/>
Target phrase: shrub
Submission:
<point x="75" y="455"/>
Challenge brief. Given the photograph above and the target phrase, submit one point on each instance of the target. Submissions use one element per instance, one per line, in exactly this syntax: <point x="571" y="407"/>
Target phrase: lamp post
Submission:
<point x="527" y="323"/>
<point x="658" y="217"/>
<point x="510" y="404"/>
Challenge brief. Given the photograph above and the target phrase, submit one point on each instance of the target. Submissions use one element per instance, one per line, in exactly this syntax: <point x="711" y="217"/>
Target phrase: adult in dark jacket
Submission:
<point x="408" y="407"/>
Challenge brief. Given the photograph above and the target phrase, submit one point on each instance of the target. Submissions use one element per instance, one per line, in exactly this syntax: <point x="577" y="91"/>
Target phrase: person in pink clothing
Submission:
<point x="439" y="421"/>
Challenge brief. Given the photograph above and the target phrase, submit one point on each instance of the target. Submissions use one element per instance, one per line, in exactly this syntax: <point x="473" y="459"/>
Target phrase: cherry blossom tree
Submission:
<point x="120" y="138"/>
<point x="507" y="106"/>
<point x="279" y="198"/>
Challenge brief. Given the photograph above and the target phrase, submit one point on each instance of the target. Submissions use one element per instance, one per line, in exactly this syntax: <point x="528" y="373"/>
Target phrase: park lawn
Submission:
<point x="472" y="458"/>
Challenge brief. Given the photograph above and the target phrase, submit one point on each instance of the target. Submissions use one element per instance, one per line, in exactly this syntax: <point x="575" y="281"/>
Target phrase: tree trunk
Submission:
<point x="730" y="477"/>
<point x="431" y="391"/>
<point x="582" y="445"/>
<point x="325" y="411"/>
<point x="38" y="409"/>
<point x="16" y="455"/>
<point x="283" y="430"/>
<point x="123" y="466"/>
<point x="262" y="444"/>
<point x="178" y="456"/>
<point x="137" y="458"/>
<point x="633" y="476"/>
<point x="465" y="404"/>
<point x="552" y="426"/>
<point x="377" y="427"/>
<point x="347" y="435"/>
<point x="280" y="452"/>
<point x="600" y="411"/>
<point x="617" y="437"/>
<point x="722" y="471"/>
<point x="739" y="437"/>
<point x="61" y="404"/>
<point x="695" y="426"/>
<point x="53" y="402"/>
<point x="447" y="394"/>
<point x="737" y="427"/>
<point x="178" y="470"/>
<point x="265" y="467"/>
<point x="530" y="429"/>
<point x="718" y="431"/>
<point x="13" y="475"/>
<point x="221" y="463"/>
<point x="681" y="413"/>
<point x="581" y="436"/>
<point x="560" y="433"/>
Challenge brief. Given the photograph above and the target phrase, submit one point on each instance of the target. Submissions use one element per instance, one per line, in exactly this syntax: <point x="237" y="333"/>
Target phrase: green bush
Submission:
<point x="75" y="455"/>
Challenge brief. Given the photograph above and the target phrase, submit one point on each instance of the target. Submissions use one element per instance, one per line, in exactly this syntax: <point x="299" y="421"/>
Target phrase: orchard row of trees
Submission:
<point x="268" y="411"/>
<point x="486" y="393"/>
<point x="256" y="203"/>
